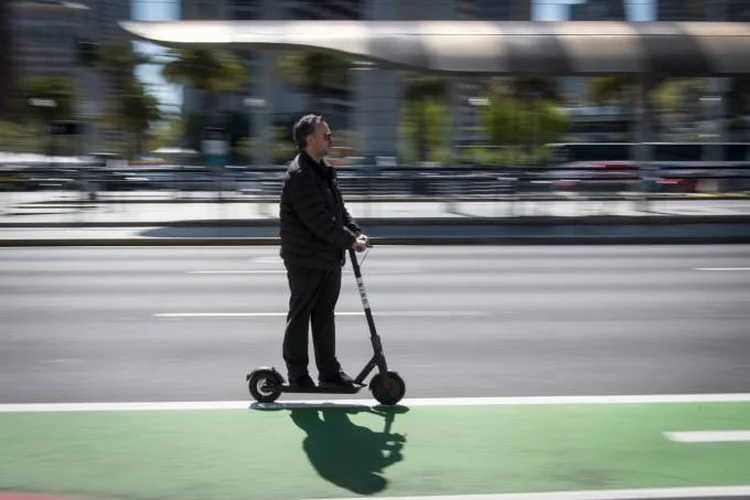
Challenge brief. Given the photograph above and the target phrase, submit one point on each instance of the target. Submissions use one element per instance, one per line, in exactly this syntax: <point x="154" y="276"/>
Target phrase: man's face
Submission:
<point x="320" y="141"/>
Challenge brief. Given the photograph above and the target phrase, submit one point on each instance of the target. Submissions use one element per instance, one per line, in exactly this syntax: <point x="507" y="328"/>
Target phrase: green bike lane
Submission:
<point x="341" y="451"/>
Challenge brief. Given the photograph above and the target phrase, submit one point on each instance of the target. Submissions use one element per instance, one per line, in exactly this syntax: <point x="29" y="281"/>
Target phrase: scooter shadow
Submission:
<point x="348" y="455"/>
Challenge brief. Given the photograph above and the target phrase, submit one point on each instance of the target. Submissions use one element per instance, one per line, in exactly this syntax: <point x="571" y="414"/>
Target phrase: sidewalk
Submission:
<point x="47" y="218"/>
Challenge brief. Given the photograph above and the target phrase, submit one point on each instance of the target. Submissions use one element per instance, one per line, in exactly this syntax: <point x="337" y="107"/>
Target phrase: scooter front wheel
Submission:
<point x="388" y="388"/>
<point x="265" y="386"/>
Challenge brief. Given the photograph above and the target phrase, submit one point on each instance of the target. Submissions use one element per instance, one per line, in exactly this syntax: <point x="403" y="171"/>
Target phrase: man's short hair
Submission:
<point x="304" y="127"/>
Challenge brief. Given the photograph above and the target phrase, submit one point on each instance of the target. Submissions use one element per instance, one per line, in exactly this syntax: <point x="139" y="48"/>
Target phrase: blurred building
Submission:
<point x="591" y="123"/>
<point x="103" y="20"/>
<point x="287" y="101"/>
<point x="45" y="37"/>
<point x="325" y="9"/>
<point x="574" y="88"/>
<point x="371" y="103"/>
<point x="739" y="11"/>
<point x="704" y="10"/>
<point x="684" y="10"/>
<point x="512" y="10"/>
<point x="715" y="104"/>
<point x="7" y="61"/>
<point x="598" y="10"/>
<point x="681" y="10"/>
<point x="204" y="9"/>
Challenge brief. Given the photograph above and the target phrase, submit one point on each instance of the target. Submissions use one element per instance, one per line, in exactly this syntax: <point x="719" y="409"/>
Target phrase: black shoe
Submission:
<point x="340" y="379"/>
<point x="303" y="382"/>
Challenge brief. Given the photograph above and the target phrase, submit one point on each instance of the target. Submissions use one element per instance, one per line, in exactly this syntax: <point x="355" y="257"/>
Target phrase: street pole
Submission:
<point x="257" y="105"/>
<point x="46" y="103"/>
<point x="714" y="102"/>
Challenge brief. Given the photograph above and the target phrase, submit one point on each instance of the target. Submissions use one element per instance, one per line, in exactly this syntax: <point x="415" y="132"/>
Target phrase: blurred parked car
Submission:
<point x="595" y="176"/>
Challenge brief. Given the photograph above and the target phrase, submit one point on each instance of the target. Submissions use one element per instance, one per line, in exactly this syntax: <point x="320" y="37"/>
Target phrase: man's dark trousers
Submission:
<point x="314" y="293"/>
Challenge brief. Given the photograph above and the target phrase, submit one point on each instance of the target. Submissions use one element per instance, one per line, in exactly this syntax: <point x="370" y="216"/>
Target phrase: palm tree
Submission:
<point x="60" y="90"/>
<point x="622" y="91"/>
<point x="615" y="90"/>
<point x="314" y="73"/>
<point x="117" y="62"/>
<point x="140" y="110"/>
<point x="419" y="92"/>
<point x="678" y="100"/>
<point x="529" y="92"/>
<point x="207" y="71"/>
<point x="531" y="89"/>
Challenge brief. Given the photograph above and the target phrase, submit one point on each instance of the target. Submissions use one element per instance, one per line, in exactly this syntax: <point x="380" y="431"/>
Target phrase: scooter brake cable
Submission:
<point x="364" y="257"/>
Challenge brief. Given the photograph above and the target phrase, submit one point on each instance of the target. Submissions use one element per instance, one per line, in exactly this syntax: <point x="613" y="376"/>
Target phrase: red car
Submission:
<point x="596" y="176"/>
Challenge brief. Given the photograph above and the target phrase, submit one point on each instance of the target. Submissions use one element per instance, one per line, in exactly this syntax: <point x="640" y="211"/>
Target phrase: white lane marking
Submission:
<point x="134" y="406"/>
<point x="719" y="269"/>
<point x="245" y="271"/>
<point x="393" y="314"/>
<point x="283" y="271"/>
<point x="407" y="402"/>
<point x="709" y="436"/>
<point x="691" y="492"/>
<point x="268" y="260"/>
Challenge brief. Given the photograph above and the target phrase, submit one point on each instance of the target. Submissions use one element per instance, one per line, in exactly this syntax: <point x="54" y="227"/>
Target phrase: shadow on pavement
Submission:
<point x="348" y="455"/>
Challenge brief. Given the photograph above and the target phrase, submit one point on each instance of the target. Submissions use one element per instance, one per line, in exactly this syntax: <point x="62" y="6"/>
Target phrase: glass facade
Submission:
<point x="598" y="10"/>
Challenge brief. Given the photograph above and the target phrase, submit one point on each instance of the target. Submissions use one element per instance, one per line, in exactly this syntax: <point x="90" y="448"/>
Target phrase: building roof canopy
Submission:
<point x="486" y="48"/>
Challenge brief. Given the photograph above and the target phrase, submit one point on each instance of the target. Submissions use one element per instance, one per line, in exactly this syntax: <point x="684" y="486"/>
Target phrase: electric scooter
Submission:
<point x="266" y="384"/>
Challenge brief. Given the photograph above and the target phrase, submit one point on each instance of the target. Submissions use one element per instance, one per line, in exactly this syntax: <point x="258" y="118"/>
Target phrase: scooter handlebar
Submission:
<point x="353" y="252"/>
<point x="368" y="242"/>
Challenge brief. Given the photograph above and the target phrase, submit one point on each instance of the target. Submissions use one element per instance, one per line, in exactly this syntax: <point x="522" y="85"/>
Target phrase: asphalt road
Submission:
<point x="186" y="324"/>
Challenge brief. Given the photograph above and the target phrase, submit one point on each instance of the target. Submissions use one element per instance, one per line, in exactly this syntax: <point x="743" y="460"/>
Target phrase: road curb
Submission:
<point x="400" y="241"/>
<point x="510" y="198"/>
<point x="532" y="220"/>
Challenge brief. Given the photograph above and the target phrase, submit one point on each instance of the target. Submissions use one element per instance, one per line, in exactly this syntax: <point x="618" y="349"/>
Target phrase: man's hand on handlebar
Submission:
<point x="361" y="244"/>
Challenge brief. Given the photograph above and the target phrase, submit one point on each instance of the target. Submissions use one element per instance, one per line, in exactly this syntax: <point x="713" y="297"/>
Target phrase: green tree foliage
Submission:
<point x="208" y="71"/>
<point x="520" y="130"/>
<point x="130" y="110"/>
<point x="60" y="90"/>
<point x="424" y="117"/>
<point x="612" y="90"/>
<point x="422" y="127"/>
<point x="314" y="73"/>
<point x="140" y="110"/>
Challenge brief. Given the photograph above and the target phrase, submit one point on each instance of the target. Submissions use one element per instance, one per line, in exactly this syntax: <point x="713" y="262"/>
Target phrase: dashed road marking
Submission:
<point x="279" y="314"/>
<point x="709" y="436"/>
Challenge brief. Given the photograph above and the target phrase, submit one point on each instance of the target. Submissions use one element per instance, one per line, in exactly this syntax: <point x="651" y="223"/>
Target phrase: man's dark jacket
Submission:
<point x="316" y="228"/>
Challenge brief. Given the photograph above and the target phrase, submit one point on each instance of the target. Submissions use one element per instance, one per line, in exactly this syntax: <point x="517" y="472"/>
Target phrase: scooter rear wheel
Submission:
<point x="265" y="386"/>
<point x="388" y="389"/>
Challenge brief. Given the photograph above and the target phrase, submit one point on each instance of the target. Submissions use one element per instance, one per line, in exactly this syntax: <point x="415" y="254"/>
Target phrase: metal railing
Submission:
<point x="368" y="183"/>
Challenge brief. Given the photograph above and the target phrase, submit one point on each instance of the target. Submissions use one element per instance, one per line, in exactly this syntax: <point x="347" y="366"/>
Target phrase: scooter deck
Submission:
<point x="322" y="389"/>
